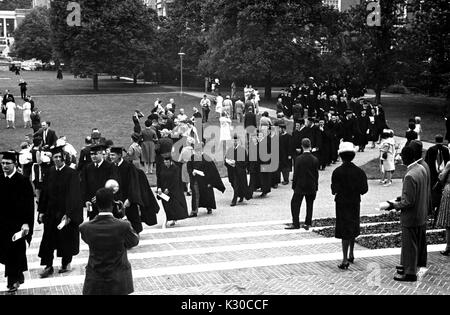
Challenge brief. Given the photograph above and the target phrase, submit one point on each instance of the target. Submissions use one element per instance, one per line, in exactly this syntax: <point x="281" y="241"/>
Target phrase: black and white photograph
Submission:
<point x="225" y="153"/>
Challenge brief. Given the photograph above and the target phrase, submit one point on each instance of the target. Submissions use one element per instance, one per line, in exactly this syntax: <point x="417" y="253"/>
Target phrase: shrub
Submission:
<point x="397" y="89"/>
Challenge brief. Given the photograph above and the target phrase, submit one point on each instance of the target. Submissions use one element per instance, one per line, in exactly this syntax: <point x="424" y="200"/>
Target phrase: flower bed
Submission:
<point x="371" y="235"/>
<point x="385" y="217"/>
<point x="391" y="241"/>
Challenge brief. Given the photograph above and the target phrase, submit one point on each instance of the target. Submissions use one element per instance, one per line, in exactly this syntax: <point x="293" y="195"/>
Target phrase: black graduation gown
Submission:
<point x="150" y="207"/>
<point x="17" y="197"/>
<point x="238" y="175"/>
<point x="285" y="152"/>
<point x="129" y="188"/>
<point x="207" y="183"/>
<point x="61" y="196"/>
<point x="265" y="177"/>
<point x="363" y="126"/>
<point x="176" y="207"/>
<point x="92" y="179"/>
<point x="253" y="166"/>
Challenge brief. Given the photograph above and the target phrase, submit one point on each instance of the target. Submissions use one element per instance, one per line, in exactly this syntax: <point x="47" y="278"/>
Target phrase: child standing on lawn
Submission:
<point x="418" y="128"/>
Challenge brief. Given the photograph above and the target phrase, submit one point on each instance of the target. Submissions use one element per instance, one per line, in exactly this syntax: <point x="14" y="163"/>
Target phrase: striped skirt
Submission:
<point x="444" y="208"/>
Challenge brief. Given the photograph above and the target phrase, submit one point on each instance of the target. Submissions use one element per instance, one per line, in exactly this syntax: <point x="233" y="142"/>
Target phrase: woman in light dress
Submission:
<point x="387" y="157"/>
<point x="26" y="107"/>
<point x="10" y="114"/>
<point x="225" y="130"/>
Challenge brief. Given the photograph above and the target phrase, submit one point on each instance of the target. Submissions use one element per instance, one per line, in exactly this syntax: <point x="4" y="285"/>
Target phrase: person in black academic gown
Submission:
<point x="285" y="153"/>
<point x="59" y="202"/>
<point x="253" y="163"/>
<point x="170" y="184"/>
<point x="129" y="190"/>
<point x="17" y="197"/>
<point x="236" y="162"/>
<point x="94" y="176"/>
<point x="204" y="177"/>
<point x="134" y="191"/>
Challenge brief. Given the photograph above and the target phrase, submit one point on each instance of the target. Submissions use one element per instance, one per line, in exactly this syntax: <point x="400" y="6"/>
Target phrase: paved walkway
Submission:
<point x="246" y="250"/>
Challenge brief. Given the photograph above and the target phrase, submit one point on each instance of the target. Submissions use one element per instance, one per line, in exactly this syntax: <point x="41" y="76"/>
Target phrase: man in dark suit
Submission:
<point x="85" y="154"/>
<point x="413" y="205"/>
<point x="305" y="185"/>
<point x="94" y="176"/>
<point x="48" y="135"/>
<point x="108" y="271"/>
<point x="16" y="195"/>
<point x="437" y="157"/>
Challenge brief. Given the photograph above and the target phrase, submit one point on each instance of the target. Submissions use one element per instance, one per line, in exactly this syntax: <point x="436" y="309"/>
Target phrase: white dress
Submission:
<point x="26" y="107"/>
<point x="219" y="104"/>
<point x="10" y="111"/>
<point x="225" y="128"/>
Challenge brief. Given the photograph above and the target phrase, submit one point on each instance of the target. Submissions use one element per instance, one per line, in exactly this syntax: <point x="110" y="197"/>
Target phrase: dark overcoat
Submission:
<point x="348" y="183"/>
<point x="108" y="271"/>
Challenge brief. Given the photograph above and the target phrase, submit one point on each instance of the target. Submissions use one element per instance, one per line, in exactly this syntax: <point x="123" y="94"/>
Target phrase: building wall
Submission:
<point x="9" y="20"/>
<point x="342" y="5"/>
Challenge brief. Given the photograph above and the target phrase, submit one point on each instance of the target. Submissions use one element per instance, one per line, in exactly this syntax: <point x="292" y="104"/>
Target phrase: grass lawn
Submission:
<point x="75" y="115"/>
<point x="372" y="170"/>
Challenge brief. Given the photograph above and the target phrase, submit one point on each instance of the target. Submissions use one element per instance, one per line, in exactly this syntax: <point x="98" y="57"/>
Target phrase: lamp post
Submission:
<point x="181" y="54"/>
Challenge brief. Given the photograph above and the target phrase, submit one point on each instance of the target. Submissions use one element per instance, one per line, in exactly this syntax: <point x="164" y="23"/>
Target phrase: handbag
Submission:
<point x="384" y="155"/>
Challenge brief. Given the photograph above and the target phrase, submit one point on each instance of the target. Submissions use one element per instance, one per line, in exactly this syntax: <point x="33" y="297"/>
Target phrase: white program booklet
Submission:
<point x="17" y="236"/>
<point x="164" y="197"/>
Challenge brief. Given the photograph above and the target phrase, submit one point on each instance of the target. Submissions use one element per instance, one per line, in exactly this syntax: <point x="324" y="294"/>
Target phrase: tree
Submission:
<point x="32" y="37"/>
<point x="115" y="37"/>
<point x="373" y="50"/>
<point x="270" y="40"/>
<point x="425" y="44"/>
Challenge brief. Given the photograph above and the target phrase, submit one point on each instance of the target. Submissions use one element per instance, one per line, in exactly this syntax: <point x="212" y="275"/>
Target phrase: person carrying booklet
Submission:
<point x="16" y="218"/>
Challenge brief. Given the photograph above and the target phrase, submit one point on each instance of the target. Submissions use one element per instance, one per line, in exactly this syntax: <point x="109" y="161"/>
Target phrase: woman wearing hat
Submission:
<point x="387" y="157"/>
<point x="348" y="183"/>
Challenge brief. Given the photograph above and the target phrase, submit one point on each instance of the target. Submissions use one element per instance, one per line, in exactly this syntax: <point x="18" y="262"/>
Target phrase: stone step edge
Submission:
<point x="197" y="268"/>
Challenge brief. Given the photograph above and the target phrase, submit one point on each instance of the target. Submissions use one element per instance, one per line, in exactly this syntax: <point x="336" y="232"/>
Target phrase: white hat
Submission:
<point x="346" y="147"/>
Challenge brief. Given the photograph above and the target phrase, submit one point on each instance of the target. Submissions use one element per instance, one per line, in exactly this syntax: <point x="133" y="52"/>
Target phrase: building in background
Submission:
<point x="342" y="5"/>
<point x="41" y="3"/>
<point x="160" y="6"/>
<point x="9" y="20"/>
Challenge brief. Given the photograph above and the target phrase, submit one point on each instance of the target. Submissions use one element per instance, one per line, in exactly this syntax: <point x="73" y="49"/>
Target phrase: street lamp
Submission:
<point x="181" y="54"/>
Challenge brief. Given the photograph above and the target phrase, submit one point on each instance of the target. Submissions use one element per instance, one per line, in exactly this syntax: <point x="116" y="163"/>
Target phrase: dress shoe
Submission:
<point x="446" y="252"/>
<point x="209" y="211"/>
<point x="233" y="204"/>
<point x="344" y="266"/>
<point x="406" y="278"/>
<point x="46" y="272"/>
<point x="306" y="227"/>
<point x="14" y="287"/>
<point x="400" y="270"/>
<point x="285" y="183"/>
<point x="193" y="215"/>
<point x="241" y="199"/>
<point x="275" y="186"/>
<point x="65" y="269"/>
<point x="263" y="195"/>
<point x="292" y="227"/>
<point x="351" y="259"/>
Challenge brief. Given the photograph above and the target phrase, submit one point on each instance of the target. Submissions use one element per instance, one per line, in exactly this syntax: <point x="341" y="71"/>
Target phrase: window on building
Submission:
<point x="2" y="31"/>
<point x="333" y="3"/>
<point x="9" y="27"/>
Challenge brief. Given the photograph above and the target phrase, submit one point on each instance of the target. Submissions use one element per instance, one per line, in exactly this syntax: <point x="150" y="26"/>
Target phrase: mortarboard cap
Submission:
<point x="57" y="149"/>
<point x="117" y="150"/>
<point x="98" y="147"/>
<point x="10" y="155"/>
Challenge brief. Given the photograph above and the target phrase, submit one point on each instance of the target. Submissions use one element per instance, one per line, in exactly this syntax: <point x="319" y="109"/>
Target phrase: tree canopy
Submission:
<point x="32" y="37"/>
<point x="115" y="37"/>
